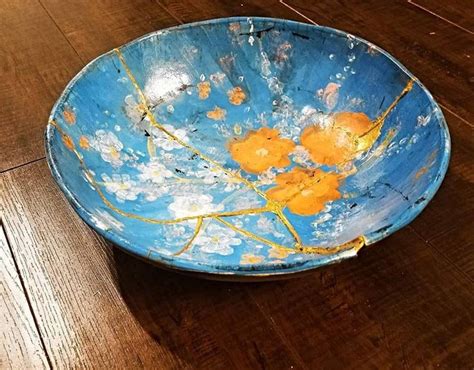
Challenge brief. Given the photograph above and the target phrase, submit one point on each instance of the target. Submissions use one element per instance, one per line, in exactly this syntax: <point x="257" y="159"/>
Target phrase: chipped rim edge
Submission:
<point x="257" y="271"/>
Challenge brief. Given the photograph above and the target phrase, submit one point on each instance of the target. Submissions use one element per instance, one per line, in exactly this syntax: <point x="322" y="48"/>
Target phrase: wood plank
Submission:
<point x="458" y="12"/>
<point x="36" y="62"/>
<point x="398" y="305"/>
<point x="109" y="309"/>
<point x="98" y="28"/>
<point x="20" y="344"/>
<point x="437" y="52"/>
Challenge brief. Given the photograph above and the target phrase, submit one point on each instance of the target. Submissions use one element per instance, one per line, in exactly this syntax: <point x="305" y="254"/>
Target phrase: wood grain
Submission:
<point x="98" y="28"/>
<point x="36" y="62"/>
<point x="191" y="11"/>
<point x="86" y="320"/>
<point x="437" y="52"/>
<point x="20" y="344"/>
<point x="459" y="12"/>
<point x="390" y="307"/>
<point x="398" y="305"/>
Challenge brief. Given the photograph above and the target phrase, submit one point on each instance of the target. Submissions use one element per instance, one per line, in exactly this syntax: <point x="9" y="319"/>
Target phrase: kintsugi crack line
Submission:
<point x="173" y="137"/>
<point x="378" y="123"/>
<point x="190" y="242"/>
<point x="355" y="244"/>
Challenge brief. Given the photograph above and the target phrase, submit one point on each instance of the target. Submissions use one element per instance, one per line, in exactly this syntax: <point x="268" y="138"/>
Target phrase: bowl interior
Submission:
<point x="247" y="146"/>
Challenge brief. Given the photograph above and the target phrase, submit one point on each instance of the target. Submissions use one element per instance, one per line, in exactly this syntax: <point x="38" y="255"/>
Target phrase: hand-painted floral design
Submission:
<point x="162" y="140"/>
<point x="218" y="239"/>
<point x="122" y="186"/>
<point x="109" y="147"/>
<point x="347" y="136"/>
<point x="304" y="191"/>
<point x="236" y="95"/>
<point x="217" y="114"/>
<point x="154" y="171"/>
<point x="193" y="205"/>
<point x="136" y="113"/>
<point x="204" y="89"/>
<point x="69" y="116"/>
<point x="261" y="150"/>
<point x="206" y="172"/>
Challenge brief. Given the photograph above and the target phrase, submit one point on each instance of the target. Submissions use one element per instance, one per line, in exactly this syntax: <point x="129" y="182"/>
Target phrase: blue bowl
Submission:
<point x="247" y="146"/>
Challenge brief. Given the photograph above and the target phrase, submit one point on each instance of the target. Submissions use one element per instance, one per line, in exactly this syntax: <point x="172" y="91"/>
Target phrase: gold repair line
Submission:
<point x="159" y="126"/>
<point x="379" y="121"/>
<point x="190" y="242"/>
<point x="254" y="236"/>
<point x="355" y="245"/>
<point x="279" y="213"/>
<point x="152" y="220"/>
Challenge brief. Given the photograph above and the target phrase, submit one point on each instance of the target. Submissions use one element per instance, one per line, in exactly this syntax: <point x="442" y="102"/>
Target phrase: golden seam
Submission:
<point x="190" y="242"/>
<point x="134" y="82"/>
<point x="155" y="123"/>
<point x="254" y="236"/>
<point x="355" y="244"/>
<point x="152" y="220"/>
<point x="279" y="213"/>
<point x="381" y="119"/>
<point x="178" y="180"/>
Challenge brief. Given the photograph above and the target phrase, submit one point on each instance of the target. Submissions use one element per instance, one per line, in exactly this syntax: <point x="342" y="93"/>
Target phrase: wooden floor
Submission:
<point x="68" y="299"/>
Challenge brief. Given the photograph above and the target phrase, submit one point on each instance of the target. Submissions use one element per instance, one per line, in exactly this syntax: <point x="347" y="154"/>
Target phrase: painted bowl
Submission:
<point x="247" y="146"/>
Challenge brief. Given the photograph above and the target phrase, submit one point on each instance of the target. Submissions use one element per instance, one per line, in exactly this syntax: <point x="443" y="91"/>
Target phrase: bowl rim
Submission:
<point x="257" y="271"/>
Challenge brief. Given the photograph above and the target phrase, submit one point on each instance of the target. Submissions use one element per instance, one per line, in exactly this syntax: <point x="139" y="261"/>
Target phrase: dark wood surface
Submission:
<point x="69" y="299"/>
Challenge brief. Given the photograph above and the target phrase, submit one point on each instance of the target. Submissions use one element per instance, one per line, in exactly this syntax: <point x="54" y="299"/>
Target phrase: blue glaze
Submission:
<point x="293" y="75"/>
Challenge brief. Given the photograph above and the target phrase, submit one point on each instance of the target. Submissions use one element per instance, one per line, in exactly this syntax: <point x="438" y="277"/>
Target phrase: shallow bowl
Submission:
<point x="247" y="147"/>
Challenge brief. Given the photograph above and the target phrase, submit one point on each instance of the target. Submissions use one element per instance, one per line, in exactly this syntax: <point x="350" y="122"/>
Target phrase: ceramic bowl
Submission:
<point x="247" y="146"/>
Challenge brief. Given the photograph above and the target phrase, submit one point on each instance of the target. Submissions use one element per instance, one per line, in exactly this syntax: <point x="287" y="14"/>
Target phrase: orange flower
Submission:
<point x="84" y="142"/>
<point x="348" y="135"/>
<point x="204" y="89"/>
<point x="217" y="114"/>
<point x="236" y="95"/>
<point x="261" y="149"/>
<point x="304" y="191"/>
<point x="69" y="116"/>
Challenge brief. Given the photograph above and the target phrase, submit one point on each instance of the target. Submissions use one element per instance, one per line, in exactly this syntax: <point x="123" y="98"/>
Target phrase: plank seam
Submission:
<point x="60" y="30"/>
<point x="22" y="164"/>
<point x="440" y="17"/>
<point x="25" y="292"/>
